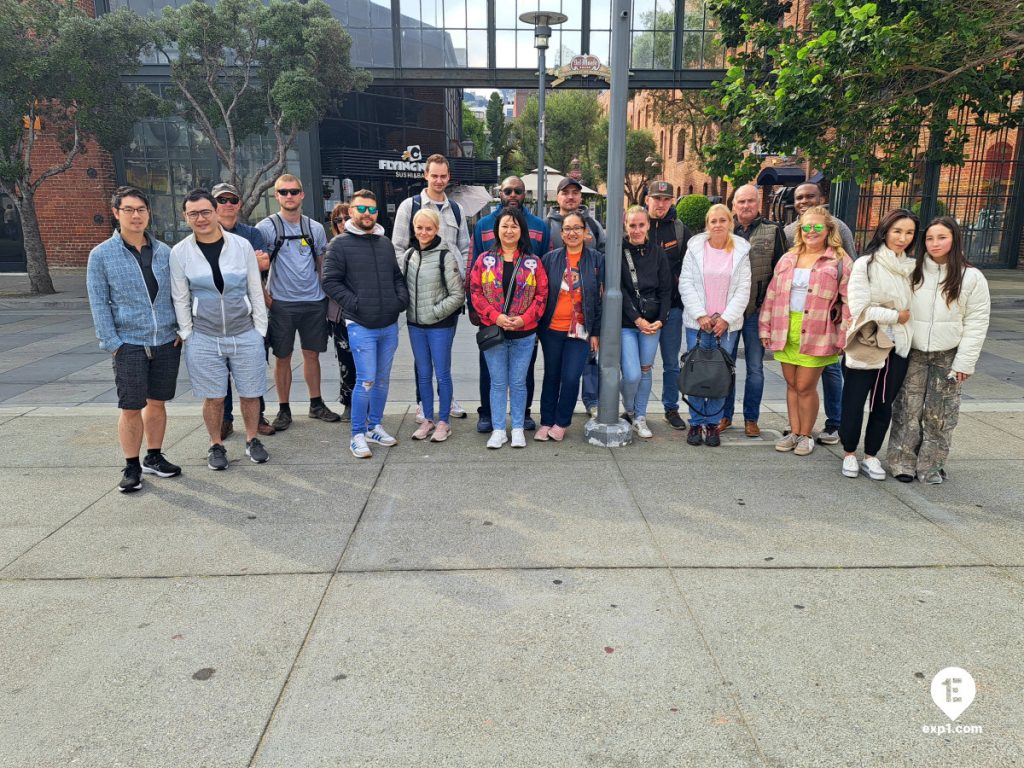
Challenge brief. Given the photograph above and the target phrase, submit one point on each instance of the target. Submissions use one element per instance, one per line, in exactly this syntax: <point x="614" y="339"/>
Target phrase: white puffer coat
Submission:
<point x="937" y="326"/>
<point x="884" y="295"/>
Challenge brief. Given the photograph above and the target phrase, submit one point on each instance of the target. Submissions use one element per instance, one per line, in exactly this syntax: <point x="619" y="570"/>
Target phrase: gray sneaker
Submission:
<point x="828" y="437"/>
<point x="255" y="451"/>
<point x="804" y="446"/>
<point x="217" y="457"/>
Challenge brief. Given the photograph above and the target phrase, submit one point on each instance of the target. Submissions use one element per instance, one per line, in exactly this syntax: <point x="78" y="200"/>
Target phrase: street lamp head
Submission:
<point x="541" y="22"/>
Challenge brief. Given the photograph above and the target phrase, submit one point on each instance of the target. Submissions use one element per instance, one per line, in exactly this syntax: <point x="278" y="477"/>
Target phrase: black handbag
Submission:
<point x="488" y="336"/>
<point x="706" y="372"/>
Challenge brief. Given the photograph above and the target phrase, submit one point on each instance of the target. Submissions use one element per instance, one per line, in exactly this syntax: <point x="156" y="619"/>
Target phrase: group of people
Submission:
<point x="907" y="319"/>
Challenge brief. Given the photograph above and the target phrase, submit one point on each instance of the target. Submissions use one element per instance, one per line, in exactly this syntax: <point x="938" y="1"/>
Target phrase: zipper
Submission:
<point x="419" y="268"/>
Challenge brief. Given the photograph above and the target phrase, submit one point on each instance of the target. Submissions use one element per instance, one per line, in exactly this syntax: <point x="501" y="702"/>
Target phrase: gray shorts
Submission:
<point x="141" y="375"/>
<point x="210" y="358"/>
<point x="309" y="318"/>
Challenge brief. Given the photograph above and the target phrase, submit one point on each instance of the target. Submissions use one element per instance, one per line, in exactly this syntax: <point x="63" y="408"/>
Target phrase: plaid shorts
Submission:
<point x="145" y="373"/>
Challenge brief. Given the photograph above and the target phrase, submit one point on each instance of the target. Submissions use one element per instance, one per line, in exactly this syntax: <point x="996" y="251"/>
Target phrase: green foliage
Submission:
<point x="939" y="210"/>
<point x="653" y="49"/>
<point x="573" y="118"/>
<point x="62" y="72"/>
<point x="640" y="146"/>
<point x="242" y="68"/>
<point x="497" y="129"/>
<point x="691" y="210"/>
<point x="854" y="87"/>
<point x="473" y="129"/>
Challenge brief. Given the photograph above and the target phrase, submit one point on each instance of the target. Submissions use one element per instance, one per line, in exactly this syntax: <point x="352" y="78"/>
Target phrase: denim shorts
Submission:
<point x="209" y="358"/>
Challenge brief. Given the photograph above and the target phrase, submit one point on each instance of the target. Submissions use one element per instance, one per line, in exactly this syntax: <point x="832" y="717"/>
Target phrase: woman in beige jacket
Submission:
<point x="949" y="314"/>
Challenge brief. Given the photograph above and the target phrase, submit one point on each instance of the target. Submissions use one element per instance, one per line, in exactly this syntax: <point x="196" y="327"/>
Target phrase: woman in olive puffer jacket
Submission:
<point x="436" y="296"/>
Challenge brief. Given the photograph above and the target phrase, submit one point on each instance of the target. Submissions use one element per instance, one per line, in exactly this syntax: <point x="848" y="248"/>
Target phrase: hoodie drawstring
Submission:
<point x="883" y="374"/>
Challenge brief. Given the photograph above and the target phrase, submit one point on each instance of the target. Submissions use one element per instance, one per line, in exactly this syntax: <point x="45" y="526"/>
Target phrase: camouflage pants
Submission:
<point x="346" y="364"/>
<point x="924" y="415"/>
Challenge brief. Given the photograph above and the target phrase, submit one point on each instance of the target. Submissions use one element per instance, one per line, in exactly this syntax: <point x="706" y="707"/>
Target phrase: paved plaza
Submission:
<point x="654" y="606"/>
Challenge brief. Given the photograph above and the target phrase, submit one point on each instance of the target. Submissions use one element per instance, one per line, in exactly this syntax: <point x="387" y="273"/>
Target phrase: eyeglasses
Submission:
<point x="815" y="227"/>
<point x="289" y="191"/>
<point x="514" y="190"/>
<point x="366" y="208"/>
<point x="577" y="230"/>
<point x="129" y="211"/>
<point x="227" y="200"/>
<point x="194" y="215"/>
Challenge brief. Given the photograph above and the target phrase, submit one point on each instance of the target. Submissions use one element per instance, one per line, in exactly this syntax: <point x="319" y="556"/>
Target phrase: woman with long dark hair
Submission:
<point x="878" y="340"/>
<point x="336" y="327"/>
<point x="949" y="314"/>
<point x="509" y="275"/>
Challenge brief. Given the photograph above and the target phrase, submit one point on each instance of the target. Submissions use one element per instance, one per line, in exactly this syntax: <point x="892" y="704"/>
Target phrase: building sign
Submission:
<point x="410" y="166"/>
<point x="581" y="66"/>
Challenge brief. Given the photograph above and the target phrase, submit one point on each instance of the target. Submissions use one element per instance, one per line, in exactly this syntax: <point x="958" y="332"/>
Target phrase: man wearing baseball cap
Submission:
<point x="672" y="235"/>
<point x="229" y="204"/>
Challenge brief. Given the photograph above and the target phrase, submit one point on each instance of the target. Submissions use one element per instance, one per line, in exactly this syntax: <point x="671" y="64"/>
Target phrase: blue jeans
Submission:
<point x="432" y="353"/>
<point x="373" y="349"/>
<point x="638" y="351"/>
<point x="671" y="343"/>
<point x="485" y="384"/>
<point x="753" y="355"/>
<point x="564" y="359"/>
<point x="507" y="364"/>
<point x="712" y="408"/>
<point x="832" y="386"/>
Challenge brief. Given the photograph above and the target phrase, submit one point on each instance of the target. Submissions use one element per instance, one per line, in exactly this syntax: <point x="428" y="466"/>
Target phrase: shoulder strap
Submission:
<point x="416" y="204"/>
<point x="515" y="271"/>
<point x="440" y="265"/>
<point x="680" y="230"/>
<point x="632" y="271"/>
<point x="307" y="233"/>
<point x="275" y="219"/>
<point x="457" y="211"/>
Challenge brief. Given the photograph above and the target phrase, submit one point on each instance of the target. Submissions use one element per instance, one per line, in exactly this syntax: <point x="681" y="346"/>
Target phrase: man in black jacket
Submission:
<point x="361" y="274"/>
<point x="672" y="235"/>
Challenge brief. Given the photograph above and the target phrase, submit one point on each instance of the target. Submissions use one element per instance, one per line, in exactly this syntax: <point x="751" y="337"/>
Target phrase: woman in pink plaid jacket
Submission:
<point x="804" y="317"/>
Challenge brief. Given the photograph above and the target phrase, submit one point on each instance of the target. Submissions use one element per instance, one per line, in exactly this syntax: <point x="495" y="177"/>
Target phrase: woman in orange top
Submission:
<point x="570" y="326"/>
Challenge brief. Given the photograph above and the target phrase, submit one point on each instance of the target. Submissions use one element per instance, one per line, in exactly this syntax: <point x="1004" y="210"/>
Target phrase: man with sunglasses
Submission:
<point x="361" y="274"/>
<point x="297" y="301"/>
<point x="218" y="300"/>
<point x="128" y="279"/>
<point x="808" y="195"/>
<point x="767" y="246"/>
<point x="512" y="193"/>
<point x="229" y="204"/>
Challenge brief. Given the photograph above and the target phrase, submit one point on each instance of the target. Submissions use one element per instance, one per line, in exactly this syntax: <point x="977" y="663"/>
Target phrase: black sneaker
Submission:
<point x="255" y="451"/>
<point x="323" y="413"/>
<point x="529" y="424"/>
<point x="282" y="421"/>
<point x="131" y="480"/>
<point x="673" y="418"/>
<point x="695" y="436"/>
<point x="217" y="457"/>
<point x="159" y="465"/>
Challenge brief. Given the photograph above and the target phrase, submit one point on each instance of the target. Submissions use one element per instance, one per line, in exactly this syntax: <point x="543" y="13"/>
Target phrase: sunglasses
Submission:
<point x="227" y="200"/>
<point x="815" y="227"/>
<point x="366" y="208"/>
<point x="514" y="190"/>
<point x="287" y="192"/>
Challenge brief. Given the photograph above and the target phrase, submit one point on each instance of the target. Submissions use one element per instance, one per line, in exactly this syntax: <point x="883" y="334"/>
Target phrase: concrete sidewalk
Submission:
<point x="660" y="606"/>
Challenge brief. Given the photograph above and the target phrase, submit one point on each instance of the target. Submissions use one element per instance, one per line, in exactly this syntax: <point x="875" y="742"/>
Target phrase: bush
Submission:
<point x="940" y="210"/>
<point x="691" y="210"/>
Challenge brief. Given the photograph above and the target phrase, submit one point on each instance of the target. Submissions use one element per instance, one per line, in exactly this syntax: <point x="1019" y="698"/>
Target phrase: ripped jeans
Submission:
<point x="373" y="349"/>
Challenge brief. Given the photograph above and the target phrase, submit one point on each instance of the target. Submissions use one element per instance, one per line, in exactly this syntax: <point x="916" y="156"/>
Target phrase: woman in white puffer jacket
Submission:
<point x="949" y="314"/>
<point x="878" y="293"/>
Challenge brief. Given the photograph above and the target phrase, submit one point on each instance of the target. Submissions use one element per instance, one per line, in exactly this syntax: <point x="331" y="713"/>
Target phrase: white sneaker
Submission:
<point x="497" y="439"/>
<point x="850" y="466"/>
<point x="873" y="468"/>
<point x="804" y="446"/>
<point x="641" y="428"/>
<point x="359" y="447"/>
<point x="457" y="411"/>
<point x="518" y="438"/>
<point x="419" y="413"/>
<point x="380" y="437"/>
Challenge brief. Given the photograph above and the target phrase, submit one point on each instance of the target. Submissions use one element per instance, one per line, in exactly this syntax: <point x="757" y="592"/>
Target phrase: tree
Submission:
<point x="853" y="84"/>
<point x="473" y="129"/>
<point x="689" y="110"/>
<point x="497" y="128"/>
<point x="573" y="118"/>
<point x="642" y="159"/>
<point x="62" y="81"/>
<point x="242" y="69"/>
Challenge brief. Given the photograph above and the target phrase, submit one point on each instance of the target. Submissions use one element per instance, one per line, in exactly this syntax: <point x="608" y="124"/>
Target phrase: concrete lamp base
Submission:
<point x="608" y="435"/>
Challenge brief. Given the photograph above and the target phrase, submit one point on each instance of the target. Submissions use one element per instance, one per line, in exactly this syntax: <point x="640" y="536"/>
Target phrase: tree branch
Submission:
<point x="56" y="170"/>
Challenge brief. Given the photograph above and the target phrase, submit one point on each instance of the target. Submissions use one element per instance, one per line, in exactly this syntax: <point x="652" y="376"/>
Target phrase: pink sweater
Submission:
<point x="717" y="274"/>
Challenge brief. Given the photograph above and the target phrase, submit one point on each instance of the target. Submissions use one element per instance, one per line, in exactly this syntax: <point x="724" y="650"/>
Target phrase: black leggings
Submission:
<point x="860" y="385"/>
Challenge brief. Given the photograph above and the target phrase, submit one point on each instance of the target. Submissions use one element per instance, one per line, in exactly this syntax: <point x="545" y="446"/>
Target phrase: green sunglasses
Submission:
<point x="815" y="227"/>
<point x="366" y="208"/>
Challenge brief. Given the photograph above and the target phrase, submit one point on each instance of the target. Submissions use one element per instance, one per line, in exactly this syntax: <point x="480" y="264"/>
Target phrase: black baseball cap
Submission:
<point x="569" y="182"/>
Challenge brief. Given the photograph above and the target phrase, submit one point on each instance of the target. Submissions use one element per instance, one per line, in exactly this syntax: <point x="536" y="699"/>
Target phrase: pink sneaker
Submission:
<point x="423" y="430"/>
<point x="557" y="433"/>
<point x="441" y="432"/>
<point x="541" y="435"/>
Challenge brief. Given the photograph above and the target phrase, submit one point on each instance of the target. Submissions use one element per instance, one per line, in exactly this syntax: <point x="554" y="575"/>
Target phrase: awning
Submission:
<point x="782" y="175"/>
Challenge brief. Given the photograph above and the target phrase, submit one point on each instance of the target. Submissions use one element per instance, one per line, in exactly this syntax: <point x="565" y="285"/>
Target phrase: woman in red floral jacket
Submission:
<point x="509" y="271"/>
<point x="804" y="318"/>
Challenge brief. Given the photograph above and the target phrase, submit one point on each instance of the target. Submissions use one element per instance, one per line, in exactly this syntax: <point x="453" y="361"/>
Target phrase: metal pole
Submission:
<point x="540" y="132"/>
<point x="608" y="430"/>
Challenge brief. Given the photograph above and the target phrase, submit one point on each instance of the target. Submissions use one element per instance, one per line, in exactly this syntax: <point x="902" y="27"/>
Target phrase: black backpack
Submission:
<point x="417" y="203"/>
<point x="306" y="234"/>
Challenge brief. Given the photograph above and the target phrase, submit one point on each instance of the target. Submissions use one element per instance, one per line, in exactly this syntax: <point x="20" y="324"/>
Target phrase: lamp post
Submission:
<point x="541" y="22"/>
